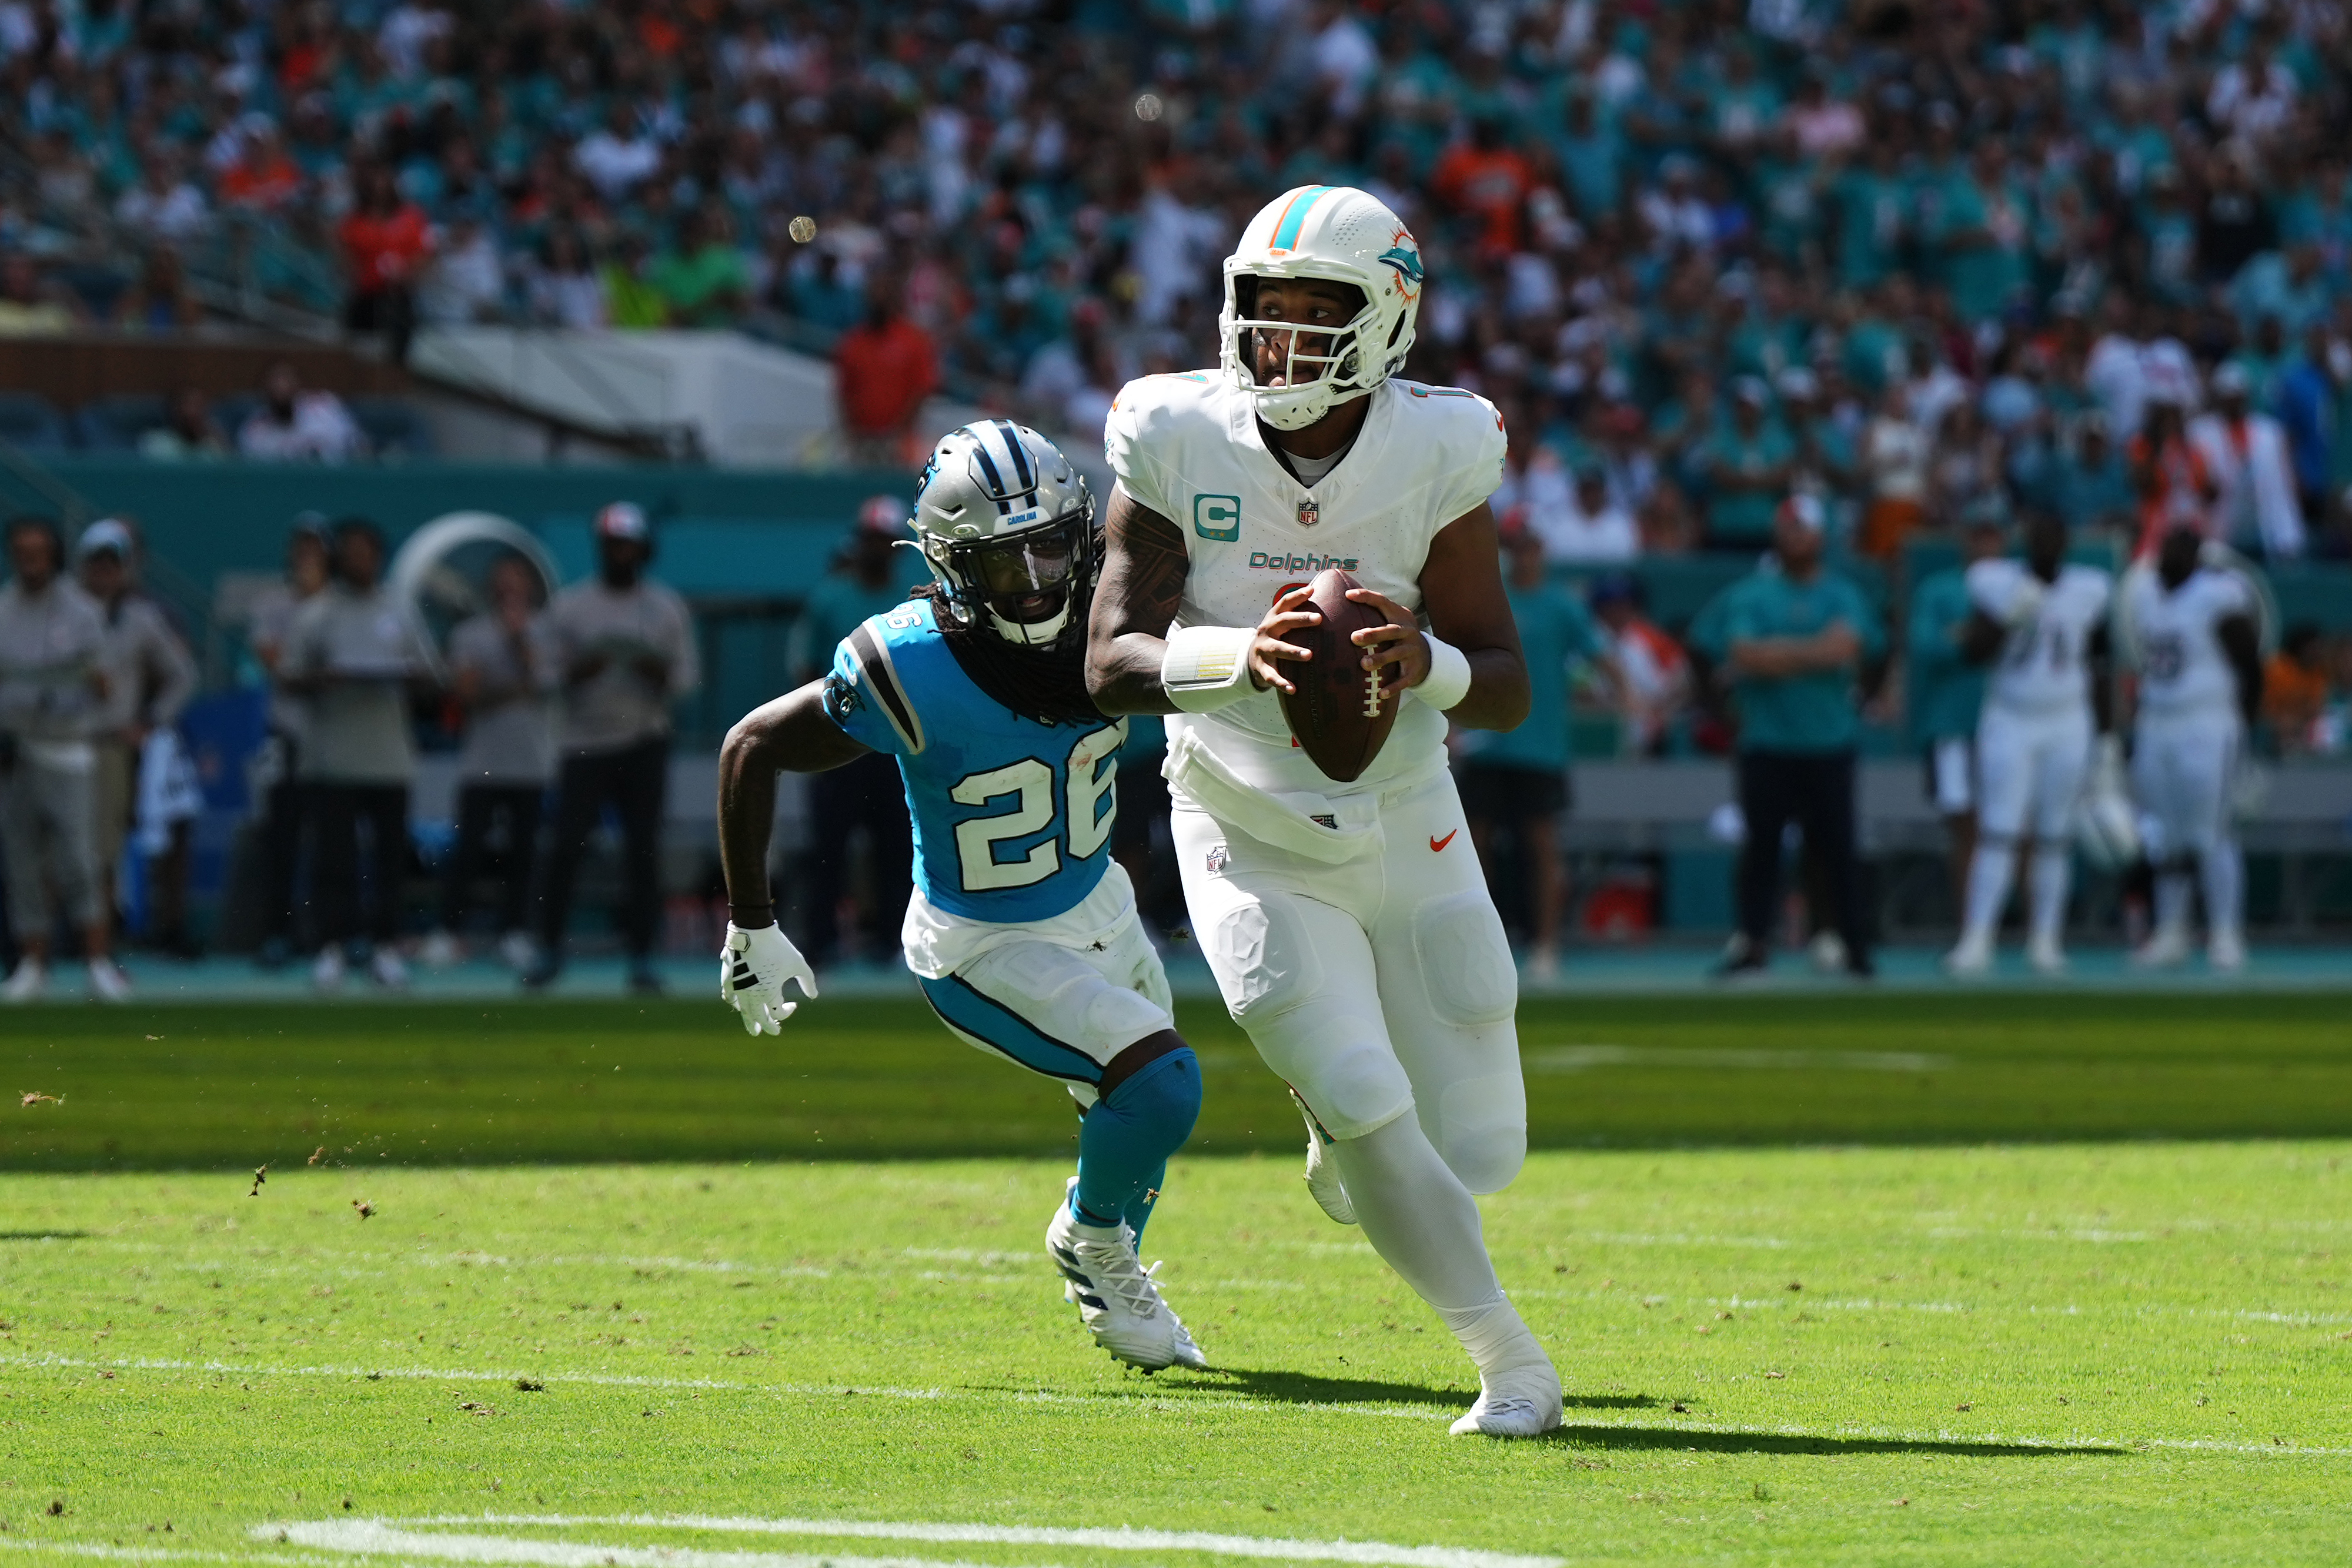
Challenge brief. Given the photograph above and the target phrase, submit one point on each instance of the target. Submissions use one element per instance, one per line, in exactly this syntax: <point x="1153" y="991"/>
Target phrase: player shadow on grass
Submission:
<point x="1307" y="1388"/>
<point x="44" y="1235"/>
<point x="1817" y="1446"/>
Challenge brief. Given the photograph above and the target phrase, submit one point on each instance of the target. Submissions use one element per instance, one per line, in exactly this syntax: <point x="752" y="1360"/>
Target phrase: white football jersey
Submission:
<point x="2183" y="670"/>
<point x="2043" y="667"/>
<point x="1188" y="447"/>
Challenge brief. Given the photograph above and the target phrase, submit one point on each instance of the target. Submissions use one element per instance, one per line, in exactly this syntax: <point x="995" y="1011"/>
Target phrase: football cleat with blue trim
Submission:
<point x="1116" y="1298"/>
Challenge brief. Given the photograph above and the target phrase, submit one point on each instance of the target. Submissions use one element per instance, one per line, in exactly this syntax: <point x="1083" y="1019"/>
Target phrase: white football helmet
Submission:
<point x="1344" y="235"/>
<point x="1006" y="525"/>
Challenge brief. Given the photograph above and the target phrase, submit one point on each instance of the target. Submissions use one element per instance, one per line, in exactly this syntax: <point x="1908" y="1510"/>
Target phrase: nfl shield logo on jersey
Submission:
<point x="1219" y="857"/>
<point x="1308" y="513"/>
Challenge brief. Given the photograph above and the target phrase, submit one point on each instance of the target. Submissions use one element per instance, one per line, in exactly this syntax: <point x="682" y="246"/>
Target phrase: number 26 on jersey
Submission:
<point x="1083" y="817"/>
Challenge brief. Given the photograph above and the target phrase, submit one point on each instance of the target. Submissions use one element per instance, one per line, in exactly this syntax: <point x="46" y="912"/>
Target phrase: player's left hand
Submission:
<point x="1397" y="650"/>
<point x="753" y="969"/>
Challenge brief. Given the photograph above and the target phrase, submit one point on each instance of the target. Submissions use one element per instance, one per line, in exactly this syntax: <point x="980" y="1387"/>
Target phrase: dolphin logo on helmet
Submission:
<point x="1341" y="234"/>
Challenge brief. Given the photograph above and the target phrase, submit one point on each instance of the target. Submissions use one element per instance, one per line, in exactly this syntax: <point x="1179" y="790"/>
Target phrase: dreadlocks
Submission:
<point x="1044" y="685"/>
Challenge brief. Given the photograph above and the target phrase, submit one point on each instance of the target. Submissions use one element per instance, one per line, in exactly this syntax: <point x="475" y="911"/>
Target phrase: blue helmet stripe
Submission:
<point x="1020" y="455"/>
<point x="995" y="480"/>
<point x="1294" y="216"/>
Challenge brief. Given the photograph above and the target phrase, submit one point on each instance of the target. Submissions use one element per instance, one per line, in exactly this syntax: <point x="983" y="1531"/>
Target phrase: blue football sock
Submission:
<point x="1139" y="1208"/>
<point x="1126" y="1137"/>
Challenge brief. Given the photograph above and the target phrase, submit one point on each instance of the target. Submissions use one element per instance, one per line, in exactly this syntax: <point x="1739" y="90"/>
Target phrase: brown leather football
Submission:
<point x="1336" y="715"/>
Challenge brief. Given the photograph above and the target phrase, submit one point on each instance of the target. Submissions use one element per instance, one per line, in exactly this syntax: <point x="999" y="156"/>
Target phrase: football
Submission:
<point x="1336" y="715"/>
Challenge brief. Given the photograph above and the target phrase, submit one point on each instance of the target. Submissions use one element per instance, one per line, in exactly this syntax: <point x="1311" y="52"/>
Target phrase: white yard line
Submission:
<point x="368" y="1537"/>
<point x="1192" y="1401"/>
<point x="386" y="1536"/>
<point x="164" y="1554"/>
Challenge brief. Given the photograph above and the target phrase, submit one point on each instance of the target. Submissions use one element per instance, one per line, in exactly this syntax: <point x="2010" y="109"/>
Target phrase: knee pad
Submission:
<point x="1263" y="962"/>
<point x="1465" y="960"/>
<point x="1481" y="1129"/>
<point x="1357" y="1090"/>
<point x="1162" y="1101"/>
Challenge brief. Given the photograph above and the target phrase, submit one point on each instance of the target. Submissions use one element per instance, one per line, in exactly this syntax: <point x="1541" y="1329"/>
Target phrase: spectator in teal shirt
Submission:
<point x="2084" y="479"/>
<point x="867" y="579"/>
<point x="1747" y="468"/>
<point x="1791" y="639"/>
<point x="1515" y="782"/>
<point x="871" y="576"/>
<point x="1946" y="690"/>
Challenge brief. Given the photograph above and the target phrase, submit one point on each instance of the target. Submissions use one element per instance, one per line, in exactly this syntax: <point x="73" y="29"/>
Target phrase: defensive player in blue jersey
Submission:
<point x="1022" y="930"/>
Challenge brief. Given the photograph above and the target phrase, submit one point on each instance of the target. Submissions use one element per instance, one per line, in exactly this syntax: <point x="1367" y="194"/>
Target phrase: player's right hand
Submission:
<point x="2027" y="603"/>
<point x="753" y="969"/>
<point x="1289" y="611"/>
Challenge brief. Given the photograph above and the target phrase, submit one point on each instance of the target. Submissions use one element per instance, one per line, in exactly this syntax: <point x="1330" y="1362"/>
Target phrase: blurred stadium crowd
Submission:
<point x="1930" y="267"/>
<point x="1921" y="259"/>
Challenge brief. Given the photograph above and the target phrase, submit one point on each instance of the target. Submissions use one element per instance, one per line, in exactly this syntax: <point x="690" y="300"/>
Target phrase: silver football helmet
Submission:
<point x="1006" y="525"/>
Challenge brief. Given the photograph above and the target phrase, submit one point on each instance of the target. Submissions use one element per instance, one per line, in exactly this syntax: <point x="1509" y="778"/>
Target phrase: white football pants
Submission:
<point x="2029" y="770"/>
<point x="1374" y="987"/>
<point x="1061" y="996"/>
<point x="2180" y="770"/>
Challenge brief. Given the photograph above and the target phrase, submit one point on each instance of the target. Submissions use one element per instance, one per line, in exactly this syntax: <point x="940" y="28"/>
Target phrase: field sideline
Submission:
<point x="1834" y="1327"/>
<point x="233" y="1086"/>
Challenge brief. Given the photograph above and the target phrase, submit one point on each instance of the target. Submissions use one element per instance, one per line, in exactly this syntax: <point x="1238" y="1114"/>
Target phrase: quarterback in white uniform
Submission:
<point x="1347" y="924"/>
<point x="2201" y="675"/>
<point x="2045" y="620"/>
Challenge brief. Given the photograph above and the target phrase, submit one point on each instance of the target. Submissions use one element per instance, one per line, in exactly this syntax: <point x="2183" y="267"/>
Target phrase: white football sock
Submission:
<point x="1990" y="871"/>
<point x="1417" y="1214"/>
<point x="2053" y="876"/>
<point x="2172" y="903"/>
<point x="1424" y="1224"/>
<point x="2224" y="869"/>
<point x="1497" y="1340"/>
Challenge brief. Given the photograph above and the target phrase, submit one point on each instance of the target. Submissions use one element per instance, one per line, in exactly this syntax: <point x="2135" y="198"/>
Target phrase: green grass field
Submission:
<point x="1982" y="1278"/>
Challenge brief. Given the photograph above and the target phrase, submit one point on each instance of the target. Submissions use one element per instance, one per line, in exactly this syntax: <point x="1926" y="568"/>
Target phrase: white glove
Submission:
<point x="753" y="969"/>
<point x="2026" y="602"/>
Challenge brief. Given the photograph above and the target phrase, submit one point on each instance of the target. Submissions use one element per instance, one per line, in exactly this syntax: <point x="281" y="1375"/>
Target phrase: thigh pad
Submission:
<point x="1464" y="958"/>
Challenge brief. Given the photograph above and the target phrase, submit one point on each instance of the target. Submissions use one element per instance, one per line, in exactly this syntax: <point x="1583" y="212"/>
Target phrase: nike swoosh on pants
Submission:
<point x="1436" y="844"/>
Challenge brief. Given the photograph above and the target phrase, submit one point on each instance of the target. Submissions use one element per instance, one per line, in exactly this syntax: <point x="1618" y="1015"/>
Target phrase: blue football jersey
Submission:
<point x="1012" y="816"/>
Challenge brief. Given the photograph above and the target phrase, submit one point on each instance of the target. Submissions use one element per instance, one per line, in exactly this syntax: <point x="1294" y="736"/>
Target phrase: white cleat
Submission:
<point x="1116" y="1298"/>
<point x="518" y="950"/>
<point x="2045" y="957"/>
<point x="107" y="983"/>
<point x="2168" y="949"/>
<point x="386" y="969"/>
<point x="327" y="969"/>
<point x="1970" y="960"/>
<point x="2226" y="952"/>
<point x="1524" y="1401"/>
<point x="25" y="982"/>
<point x="442" y="950"/>
<point x="1322" y="1172"/>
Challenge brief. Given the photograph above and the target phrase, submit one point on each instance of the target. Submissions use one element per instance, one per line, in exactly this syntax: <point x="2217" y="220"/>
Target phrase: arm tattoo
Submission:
<point x="1144" y="568"/>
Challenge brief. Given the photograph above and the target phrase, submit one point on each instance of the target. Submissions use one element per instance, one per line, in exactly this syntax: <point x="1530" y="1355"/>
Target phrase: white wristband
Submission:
<point x="1207" y="667"/>
<point x="1448" y="681"/>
